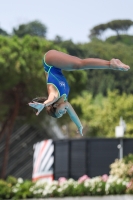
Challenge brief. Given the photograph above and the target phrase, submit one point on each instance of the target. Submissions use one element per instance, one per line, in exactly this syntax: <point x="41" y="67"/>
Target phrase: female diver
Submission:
<point x="56" y="103"/>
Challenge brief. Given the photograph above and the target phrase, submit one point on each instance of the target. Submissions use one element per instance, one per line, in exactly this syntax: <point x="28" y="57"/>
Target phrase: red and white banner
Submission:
<point x="43" y="160"/>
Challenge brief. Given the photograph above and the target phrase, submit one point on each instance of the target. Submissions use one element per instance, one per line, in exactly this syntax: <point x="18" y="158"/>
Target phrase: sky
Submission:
<point x="70" y="19"/>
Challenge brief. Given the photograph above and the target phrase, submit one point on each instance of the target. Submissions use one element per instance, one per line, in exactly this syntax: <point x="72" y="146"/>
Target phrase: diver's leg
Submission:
<point x="68" y="62"/>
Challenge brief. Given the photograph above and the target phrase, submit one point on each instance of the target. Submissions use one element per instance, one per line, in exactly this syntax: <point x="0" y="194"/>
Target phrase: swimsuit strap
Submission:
<point x="46" y="66"/>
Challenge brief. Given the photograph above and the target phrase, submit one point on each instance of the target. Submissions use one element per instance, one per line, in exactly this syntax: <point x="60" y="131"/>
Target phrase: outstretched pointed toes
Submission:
<point x="116" y="64"/>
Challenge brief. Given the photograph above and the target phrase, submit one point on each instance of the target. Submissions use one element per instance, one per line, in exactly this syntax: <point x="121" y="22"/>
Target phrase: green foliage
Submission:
<point x="128" y="158"/>
<point x="70" y="187"/>
<point x="120" y="25"/>
<point x="101" y="114"/>
<point x="97" y="30"/>
<point x="11" y="180"/>
<point x="99" y="81"/>
<point x="15" y="189"/>
<point x="5" y="190"/>
<point x="3" y="32"/>
<point x="22" y="190"/>
<point x="34" y="28"/>
<point x="125" y="39"/>
<point x="84" y="186"/>
<point x="115" y="186"/>
<point x="115" y="25"/>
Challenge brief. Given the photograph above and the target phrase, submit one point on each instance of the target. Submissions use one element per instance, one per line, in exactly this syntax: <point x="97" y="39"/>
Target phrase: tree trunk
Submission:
<point x="8" y="130"/>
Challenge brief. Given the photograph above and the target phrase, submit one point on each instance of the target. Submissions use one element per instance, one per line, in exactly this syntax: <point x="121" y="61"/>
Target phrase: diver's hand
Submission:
<point x="38" y="106"/>
<point x="80" y="130"/>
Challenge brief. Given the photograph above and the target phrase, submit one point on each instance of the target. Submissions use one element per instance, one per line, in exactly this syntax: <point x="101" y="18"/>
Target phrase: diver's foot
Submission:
<point x="116" y="64"/>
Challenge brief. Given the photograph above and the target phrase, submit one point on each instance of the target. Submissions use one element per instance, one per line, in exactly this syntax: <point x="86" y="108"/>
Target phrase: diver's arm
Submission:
<point x="74" y="117"/>
<point x="51" y="99"/>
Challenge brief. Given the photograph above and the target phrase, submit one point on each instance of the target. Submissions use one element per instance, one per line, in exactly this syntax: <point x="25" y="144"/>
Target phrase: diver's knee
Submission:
<point x="78" y="64"/>
<point x="51" y="52"/>
<point x="50" y="56"/>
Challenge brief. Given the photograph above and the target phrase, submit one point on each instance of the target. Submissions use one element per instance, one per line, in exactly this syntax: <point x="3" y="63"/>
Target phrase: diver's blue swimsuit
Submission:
<point x="56" y="78"/>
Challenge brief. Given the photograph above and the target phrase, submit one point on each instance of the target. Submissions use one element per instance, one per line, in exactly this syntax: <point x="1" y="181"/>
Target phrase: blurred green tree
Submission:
<point x="97" y="31"/>
<point x="99" y="81"/>
<point x="34" y="28"/>
<point x="125" y="39"/>
<point x="116" y="25"/>
<point x="3" y="32"/>
<point x="120" y="25"/>
<point x="101" y="114"/>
